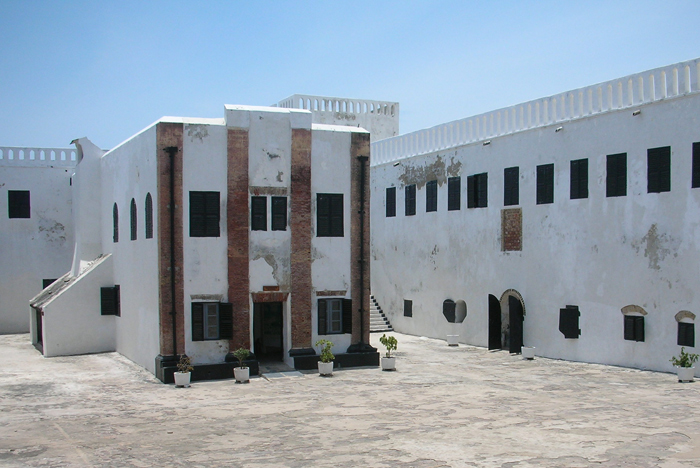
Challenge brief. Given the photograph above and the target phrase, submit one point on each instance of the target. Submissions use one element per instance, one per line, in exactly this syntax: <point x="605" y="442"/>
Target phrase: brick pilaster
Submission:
<point x="169" y="140"/>
<point x="300" y="225"/>
<point x="359" y="146"/>
<point x="238" y="232"/>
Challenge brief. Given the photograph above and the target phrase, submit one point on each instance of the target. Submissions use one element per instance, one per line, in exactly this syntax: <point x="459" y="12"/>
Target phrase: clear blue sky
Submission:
<point x="107" y="69"/>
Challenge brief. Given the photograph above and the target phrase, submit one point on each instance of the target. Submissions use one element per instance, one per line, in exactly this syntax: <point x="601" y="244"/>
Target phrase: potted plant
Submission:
<point x="242" y="372"/>
<point x="390" y="343"/>
<point x="184" y="371"/>
<point x="528" y="352"/>
<point x="325" y="365"/>
<point x="684" y="363"/>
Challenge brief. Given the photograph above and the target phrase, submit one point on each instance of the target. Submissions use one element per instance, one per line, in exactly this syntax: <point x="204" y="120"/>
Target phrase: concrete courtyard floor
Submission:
<point x="456" y="407"/>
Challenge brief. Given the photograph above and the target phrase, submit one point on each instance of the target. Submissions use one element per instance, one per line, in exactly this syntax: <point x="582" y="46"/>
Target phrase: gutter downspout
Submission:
<point x="172" y="151"/>
<point x="362" y="160"/>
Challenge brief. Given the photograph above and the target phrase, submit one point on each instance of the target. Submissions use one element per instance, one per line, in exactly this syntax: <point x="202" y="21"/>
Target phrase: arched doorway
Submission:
<point x="512" y="317"/>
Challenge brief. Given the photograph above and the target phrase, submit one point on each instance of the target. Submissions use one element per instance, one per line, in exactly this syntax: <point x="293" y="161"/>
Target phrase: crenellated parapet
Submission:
<point x="37" y="157"/>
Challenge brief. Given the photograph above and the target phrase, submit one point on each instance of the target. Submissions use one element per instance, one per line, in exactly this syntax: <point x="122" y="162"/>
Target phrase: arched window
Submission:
<point x="149" y="216"/>
<point x="115" y="220"/>
<point x="133" y="220"/>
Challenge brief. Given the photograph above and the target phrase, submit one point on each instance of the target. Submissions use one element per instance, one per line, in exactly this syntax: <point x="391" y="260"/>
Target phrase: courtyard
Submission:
<point x="444" y="407"/>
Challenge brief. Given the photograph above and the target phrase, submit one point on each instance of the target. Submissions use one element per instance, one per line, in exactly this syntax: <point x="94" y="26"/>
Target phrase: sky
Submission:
<point x="107" y="69"/>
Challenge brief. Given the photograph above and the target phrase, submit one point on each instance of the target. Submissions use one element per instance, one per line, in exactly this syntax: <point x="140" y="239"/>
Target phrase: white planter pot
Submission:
<point x="325" y="368"/>
<point x="182" y="379"/>
<point x="452" y="340"/>
<point x="685" y="374"/>
<point x="388" y="363"/>
<point x="242" y="374"/>
<point x="528" y="352"/>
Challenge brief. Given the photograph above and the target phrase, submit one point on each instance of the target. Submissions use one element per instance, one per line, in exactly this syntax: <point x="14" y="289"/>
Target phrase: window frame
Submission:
<point x="478" y="190"/>
<point x="19" y="204"/>
<point x="511" y="186"/>
<point x="686" y="334"/>
<point x="659" y="169"/>
<point x="545" y="184"/>
<point x="578" y="180"/>
<point x="200" y="326"/>
<point x="278" y="209"/>
<point x="634" y="328"/>
<point x="325" y="320"/>
<point x="330" y="215"/>
<point x="258" y="213"/>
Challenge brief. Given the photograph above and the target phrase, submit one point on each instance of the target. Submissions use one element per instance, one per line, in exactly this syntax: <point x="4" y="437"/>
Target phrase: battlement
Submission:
<point x="667" y="82"/>
<point x="36" y="157"/>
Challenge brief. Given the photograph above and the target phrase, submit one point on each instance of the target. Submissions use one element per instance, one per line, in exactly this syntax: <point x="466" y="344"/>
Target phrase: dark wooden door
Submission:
<point x="515" y="317"/>
<point x="494" y="323"/>
<point x="267" y="335"/>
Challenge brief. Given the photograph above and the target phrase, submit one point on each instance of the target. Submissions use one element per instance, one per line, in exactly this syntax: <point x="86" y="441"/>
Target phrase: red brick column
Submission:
<point x="237" y="231"/>
<point x="301" y="220"/>
<point x="169" y="140"/>
<point x="359" y="146"/>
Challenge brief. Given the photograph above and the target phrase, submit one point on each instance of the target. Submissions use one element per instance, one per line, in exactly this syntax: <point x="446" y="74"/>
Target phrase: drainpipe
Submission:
<point x="362" y="160"/>
<point x="172" y="151"/>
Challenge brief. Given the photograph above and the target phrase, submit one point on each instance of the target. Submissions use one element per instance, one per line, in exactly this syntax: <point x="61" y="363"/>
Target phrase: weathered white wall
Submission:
<point x="130" y="171"/>
<point x="598" y="253"/>
<point x="330" y="256"/>
<point x="73" y="323"/>
<point x="205" y="258"/>
<point x="40" y="247"/>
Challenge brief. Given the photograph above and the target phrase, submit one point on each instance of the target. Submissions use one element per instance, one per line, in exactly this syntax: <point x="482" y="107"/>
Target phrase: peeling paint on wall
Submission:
<point x="656" y="246"/>
<point x="198" y="132"/>
<point x="280" y="266"/>
<point x="54" y="231"/>
<point x="437" y="170"/>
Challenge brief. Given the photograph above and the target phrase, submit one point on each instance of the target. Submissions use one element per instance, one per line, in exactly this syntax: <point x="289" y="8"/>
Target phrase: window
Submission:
<point x="258" y="213"/>
<point x="448" y="310"/>
<point x="454" y="185"/>
<point x="149" y="216"/>
<point x="329" y="214"/>
<point x="212" y="321"/>
<point x="390" y="202"/>
<point x="18" y="205"/>
<point x="634" y="327"/>
<point x="431" y="196"/>
<point x="407" y="308"/>
<point x="568" y="322"/>
<point x="110" y="301"/>
<point x="579" y="179"/>
<point x="410" y="192"/>
<point x="511" y="186"/>
<point x="115" y="223"/>
<point x="659" y="170"/>
<point x="279" y="213"/>
<point x="133" y="219"/>
<point x="334" y="316"/>
<point x="696" y="165"/>
<point x="686" y="334"/>
<point x="616" y="178"/>
<point x="545" y="184"/>
<point x="477" y="190"/>
<point x="204" y="214"/>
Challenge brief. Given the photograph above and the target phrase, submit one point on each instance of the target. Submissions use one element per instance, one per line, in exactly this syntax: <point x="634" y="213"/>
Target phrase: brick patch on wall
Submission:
<point x="237" y="229"/>
<point x="300" y="223"/>
<point x="170" y="135"/>
<point x="512" y="229"/>
<point x="269" y="296"/>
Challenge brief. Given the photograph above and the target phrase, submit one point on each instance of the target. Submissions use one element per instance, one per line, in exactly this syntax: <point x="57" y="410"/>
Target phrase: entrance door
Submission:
<point x="267" y="330"/>
<point x="515" y="317"/>
<point x="494" y="323"/>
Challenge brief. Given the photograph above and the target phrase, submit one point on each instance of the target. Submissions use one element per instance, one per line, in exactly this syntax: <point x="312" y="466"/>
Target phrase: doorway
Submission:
<point x="39" y="331"/>
<point x="494" y="323"/>
<point x="267" y="331"/>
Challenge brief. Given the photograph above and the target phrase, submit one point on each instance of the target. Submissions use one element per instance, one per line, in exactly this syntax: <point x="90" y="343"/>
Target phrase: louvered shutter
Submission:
<point x="431" y="196"/>
<point x="616" y="178"/>
<point x="279" y="213"/>
<point x="545" y="184"/>
<point x="696" y="166"/>
<point x="659" y="170"/>
<point x="471" y="192"/>
<point x="336" y="215"/>
<point x="410" y="200"/>
<point x="212" y="214"/>
<point x="322" y="316"/>
<point x="107" y="304"/>
<point x="568" y="322"/>
<point x="225" y="321"/>
<point x="686" y="334"/>
<point x="197" y="321"/>
<point x="323" y="211"/>
<point x="579" y="179"/>
<point x="629" y="328"/>
<point x="639" y="328"/>
<point x="258" y="213"/>
<point x="511" y="186"/>
<point x="347" y="315"/>
<point x="453" y="195"/>
<point x="482" y="190"/>
<point x="197" y="216"/>
<point x="390" y="202"/>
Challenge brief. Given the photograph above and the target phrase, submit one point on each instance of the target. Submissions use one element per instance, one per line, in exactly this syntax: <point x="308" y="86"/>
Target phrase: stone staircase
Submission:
<point x="377" y="320"/>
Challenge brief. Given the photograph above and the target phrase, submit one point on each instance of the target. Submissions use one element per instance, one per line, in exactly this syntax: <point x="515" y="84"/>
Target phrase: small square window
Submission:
<point x="634" y="328"/>
<point x="407" y="308"/>
<point x="686" y="334"/>
<point x="329" y="215"/>
<point x="568" y="322"/>
<point x="18" y="204"/>
<point x="334" y="316"/>
<point x="212" y="321"/>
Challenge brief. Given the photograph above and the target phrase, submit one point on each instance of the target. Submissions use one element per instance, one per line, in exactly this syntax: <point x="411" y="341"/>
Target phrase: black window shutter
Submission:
<point x="390" y="202"/>
<point x="347" y="315"/>
<point x="686" y="334"/>
<point x="322" y="317"/>
<point x="258" y="213"/>
<point x="117" y="301"/>
<point x="511" y="186"/>
<point x="696" y="165"/>
<point x="115" y="223"/>
<point x="18" y="204"/>
<point x="197" y="217"/>
<point x="579" y="179"/>
<point x="453" y="193"/>
<point x="659" y="170"/>
<point x="407" y="308"/>
<point x="616" y="178"/>
<point x="212" y="214"/>
<point x="149" y="216"/>
<point x="639" y="328"/>
<point x="410" y="201"/>
<point x="225" y="321"/>
<point x="431" y="196"/>
<point x="568" y="322"/>
<point x="482" y="190"/>
<point x="629" y="327"/>
<point x="108" y="307"/>
<point x="545" y="184"/>
<point x="471" y="192"/>
<point x="279" y="213"/>
<point x="337" y="215"/>
<point x="197" y="321"/>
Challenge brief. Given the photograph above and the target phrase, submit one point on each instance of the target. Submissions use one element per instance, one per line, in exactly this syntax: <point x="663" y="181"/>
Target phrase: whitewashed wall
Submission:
<point x="130" y="171"/>
<point x="598" y="253"/>
<point x="40" y="247"/>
